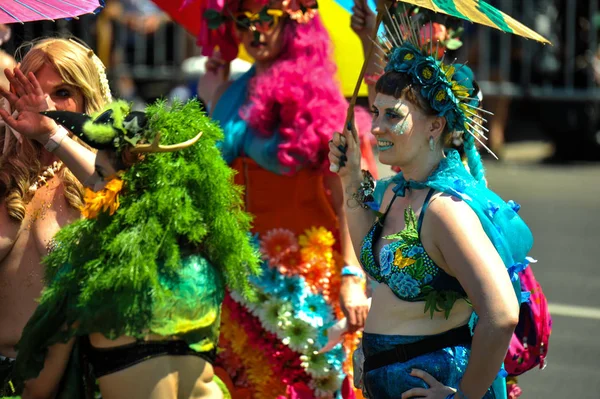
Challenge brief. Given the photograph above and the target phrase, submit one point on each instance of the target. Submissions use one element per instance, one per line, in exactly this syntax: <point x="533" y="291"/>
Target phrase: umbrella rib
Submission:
<point x="75" y="6"/>
<point x="10" y="15"/>
<point x="53" y="6"/>
<point x="34" y="10"/>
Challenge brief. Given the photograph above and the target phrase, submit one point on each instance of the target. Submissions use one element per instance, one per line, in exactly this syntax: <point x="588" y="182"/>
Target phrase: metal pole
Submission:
<point x="570" y="44"/>
<point x="593" y="42"/>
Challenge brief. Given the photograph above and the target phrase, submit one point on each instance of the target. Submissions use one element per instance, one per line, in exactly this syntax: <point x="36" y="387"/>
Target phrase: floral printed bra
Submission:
<point x="405" y="266"/>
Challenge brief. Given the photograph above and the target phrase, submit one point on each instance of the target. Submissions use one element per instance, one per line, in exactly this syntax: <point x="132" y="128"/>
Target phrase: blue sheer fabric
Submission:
<point x="446" y="365"/>
<point x="240" y="139"/>
<point x="506" y="230"/>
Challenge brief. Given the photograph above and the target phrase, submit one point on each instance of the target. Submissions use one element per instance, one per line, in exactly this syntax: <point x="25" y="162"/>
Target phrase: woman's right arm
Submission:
<point x="359" y="219"/>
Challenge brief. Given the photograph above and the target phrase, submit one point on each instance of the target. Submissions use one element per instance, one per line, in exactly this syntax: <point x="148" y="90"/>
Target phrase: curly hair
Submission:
<point x="299" y="96"/>
<point x="19" y="164"/>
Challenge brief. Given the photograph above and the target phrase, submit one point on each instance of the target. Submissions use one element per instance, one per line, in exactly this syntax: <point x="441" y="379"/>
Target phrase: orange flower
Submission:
<point x="291" y="263"/>
<point x="276" y="244"/>
<point x="317" y="237"/>
<point x="104" y="200"/>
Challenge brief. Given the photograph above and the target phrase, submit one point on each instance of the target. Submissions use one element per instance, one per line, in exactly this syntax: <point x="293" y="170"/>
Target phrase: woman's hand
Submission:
<point x="216" y="73"/>
<point x="363" y="20"/>
<point x="344" y="155"/>
<point x="354" y="302"/>
<point x="436" y="389"/>
<point x="28" y="101"/>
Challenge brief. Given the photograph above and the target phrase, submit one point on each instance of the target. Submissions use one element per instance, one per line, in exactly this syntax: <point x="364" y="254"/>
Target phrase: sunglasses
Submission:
<point x="263" y="22"/>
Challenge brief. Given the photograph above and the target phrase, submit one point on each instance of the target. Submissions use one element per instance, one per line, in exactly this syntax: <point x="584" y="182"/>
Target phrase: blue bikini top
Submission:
<point x="406" y="267"/>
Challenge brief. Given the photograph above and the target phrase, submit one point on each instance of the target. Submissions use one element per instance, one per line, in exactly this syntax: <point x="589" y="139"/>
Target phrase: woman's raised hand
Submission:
<point x="344" y="154"/>
<point x="28" y="101"/>
<point x="363" y="20"/>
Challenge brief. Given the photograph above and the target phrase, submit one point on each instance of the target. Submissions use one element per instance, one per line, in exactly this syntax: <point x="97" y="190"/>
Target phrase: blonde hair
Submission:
<point x="20" y="165"/>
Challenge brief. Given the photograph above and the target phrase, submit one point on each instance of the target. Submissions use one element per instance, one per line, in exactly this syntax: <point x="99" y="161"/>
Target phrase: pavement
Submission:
<point x="561" y="205"/>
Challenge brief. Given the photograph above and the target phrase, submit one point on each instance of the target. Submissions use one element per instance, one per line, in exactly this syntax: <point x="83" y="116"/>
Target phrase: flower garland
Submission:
<point x="255" y="361"/>
<point x="105" y="200"/>
<point x="289" y="321"/>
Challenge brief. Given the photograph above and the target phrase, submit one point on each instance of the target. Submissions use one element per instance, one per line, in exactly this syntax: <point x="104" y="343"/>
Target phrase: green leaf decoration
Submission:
<point x="439" y="301"/>
<point x="213" y="18"/>
<point x="453" y="44"/>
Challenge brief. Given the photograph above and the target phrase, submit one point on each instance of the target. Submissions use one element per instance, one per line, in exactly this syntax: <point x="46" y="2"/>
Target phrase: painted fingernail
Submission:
<point x="343" y="158"/>
<point x="349" y="126"/>
<point x="342" y="163"/>
<point x="341" y="148"/>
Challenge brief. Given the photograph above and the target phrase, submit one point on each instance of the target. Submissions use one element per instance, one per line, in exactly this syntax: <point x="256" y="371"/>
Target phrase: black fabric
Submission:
<point x="405" y="352"/>
<point x="7" y="366"/>
<point x="104" y="361"/>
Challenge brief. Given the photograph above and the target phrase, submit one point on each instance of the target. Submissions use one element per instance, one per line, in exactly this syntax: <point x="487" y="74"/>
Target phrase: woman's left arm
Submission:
<point x="464" y="248"/>
<point x="353" y="298"/>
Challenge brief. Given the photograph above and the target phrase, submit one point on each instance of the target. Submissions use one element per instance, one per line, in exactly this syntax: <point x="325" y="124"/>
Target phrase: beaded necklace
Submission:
<point x="45" y="176"/>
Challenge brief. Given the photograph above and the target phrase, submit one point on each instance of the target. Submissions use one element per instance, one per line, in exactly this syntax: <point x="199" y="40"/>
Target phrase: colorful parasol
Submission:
<point x="479" y="12"/>
<point x="21" y="11"/>
<point x="471" y="10"/>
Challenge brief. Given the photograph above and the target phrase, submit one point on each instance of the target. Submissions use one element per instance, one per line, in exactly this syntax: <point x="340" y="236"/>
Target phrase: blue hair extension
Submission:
<point x="473" y="157"/>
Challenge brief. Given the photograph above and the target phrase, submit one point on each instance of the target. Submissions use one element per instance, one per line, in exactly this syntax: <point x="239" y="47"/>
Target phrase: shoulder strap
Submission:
<point x="424" y="208"/>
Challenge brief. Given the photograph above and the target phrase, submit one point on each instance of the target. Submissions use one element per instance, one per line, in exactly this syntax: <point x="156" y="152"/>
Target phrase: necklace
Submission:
<point x="45" y="176"/>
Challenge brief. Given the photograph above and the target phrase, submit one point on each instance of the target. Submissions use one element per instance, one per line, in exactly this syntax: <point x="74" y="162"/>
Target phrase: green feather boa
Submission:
<point x="158" y="264"/>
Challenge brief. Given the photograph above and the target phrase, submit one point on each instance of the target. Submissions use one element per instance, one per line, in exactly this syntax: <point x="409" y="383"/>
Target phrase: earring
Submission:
<point x="431" y="143"/>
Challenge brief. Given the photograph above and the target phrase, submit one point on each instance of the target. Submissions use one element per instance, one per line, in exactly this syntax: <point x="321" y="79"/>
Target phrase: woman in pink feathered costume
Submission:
<point x="277" y="120"/>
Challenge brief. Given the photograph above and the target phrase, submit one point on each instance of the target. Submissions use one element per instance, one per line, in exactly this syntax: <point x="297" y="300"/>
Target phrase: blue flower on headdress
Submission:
<point x="405" y="285"/>
<point x="440" y="97"/>
<point x="403" y="58"/>
<point x="426" y="71"/>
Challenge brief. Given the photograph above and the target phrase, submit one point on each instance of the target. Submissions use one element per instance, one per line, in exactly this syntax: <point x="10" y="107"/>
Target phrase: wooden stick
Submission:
<point x="350" y="114"/>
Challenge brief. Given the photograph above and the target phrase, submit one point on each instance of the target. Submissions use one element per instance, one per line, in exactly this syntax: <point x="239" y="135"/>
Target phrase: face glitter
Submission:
<point x="400" y="128"/>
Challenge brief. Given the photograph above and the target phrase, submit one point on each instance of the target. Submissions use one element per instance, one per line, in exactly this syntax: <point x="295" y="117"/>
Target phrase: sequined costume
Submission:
<point x="156" y="249"/>
<point x="270" y="347"/>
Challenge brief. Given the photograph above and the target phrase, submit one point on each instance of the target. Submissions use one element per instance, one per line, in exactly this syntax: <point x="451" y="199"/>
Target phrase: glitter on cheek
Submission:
<point x="400" y="128"/>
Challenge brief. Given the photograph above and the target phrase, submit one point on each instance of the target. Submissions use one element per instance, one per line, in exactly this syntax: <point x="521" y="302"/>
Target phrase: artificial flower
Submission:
<point x="292" y="289"/>
<point x="315" y="311"/>
<point x="275" y="315"/>
<point x="426" y="70"/>
<point x="298" y="335"/>
<point x="277" y="243"/>
<point x="105" y="200"/>
<point x="317" y="237"/>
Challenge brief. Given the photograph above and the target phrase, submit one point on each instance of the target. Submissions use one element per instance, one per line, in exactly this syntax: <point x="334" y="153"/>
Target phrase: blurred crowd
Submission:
<point x="148" y="56"/>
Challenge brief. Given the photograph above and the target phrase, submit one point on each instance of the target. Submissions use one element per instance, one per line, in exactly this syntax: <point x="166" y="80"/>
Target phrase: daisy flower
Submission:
<point x="315" y="311"/>
<point x="298" y="335"/>
<point x="277" y="243"/>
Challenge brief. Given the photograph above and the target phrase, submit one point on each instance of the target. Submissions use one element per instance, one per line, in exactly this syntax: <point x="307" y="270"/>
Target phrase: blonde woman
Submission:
<point x="38" y="195"/>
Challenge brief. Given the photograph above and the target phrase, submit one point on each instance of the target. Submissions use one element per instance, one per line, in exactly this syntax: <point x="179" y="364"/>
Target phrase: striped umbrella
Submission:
<point x="21" y="11"/>
<point x="476" y="11"/>
<point x="479" y="12"/>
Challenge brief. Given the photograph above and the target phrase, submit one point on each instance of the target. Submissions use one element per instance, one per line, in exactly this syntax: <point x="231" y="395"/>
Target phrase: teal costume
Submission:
<point x="423" y="281"/>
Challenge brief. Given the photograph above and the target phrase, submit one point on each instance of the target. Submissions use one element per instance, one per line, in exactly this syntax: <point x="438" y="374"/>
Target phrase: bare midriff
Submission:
<point x="163" y="377"/>
<point x="390" y="315"/>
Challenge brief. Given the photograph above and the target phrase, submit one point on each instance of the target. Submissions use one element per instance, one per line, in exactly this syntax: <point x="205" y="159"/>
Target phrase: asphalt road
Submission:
<point x="561" y="205"/>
